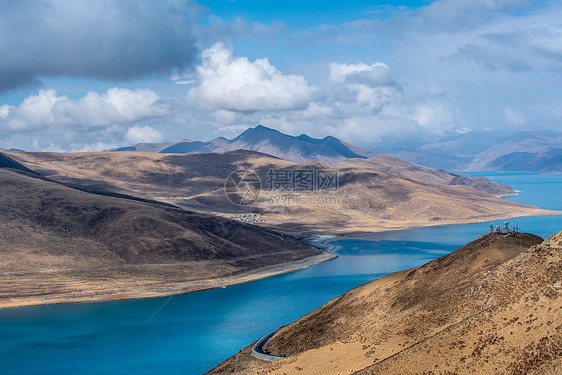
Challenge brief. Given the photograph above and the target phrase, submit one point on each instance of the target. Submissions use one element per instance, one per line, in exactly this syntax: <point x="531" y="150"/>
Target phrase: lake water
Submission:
<point x="192" y="333"/>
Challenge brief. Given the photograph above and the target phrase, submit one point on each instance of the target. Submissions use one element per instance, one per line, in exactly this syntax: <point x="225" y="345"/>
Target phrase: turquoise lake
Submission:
<point x="192" y="333"/>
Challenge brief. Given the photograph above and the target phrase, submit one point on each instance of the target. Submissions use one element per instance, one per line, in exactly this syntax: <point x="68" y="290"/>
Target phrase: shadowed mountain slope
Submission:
<point x="7" y="162"/>
<point x="84" y="246"/>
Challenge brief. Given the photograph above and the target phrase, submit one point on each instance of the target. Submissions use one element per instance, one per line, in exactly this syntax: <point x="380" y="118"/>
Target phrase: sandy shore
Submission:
<point x="161" y="288"/>
<point x="383" y="226"/>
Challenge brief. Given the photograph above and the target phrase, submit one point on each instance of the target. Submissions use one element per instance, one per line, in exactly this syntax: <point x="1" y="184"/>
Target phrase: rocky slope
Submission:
<point x="491" y="307"/>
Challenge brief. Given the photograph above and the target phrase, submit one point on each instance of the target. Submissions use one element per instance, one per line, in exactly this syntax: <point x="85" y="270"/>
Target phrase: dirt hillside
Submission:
<point x="63" y="244"/>
<point x="491" y="307"/>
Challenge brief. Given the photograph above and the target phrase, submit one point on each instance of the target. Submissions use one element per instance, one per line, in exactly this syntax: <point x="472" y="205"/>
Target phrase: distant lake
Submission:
<point x="192" y="333"/>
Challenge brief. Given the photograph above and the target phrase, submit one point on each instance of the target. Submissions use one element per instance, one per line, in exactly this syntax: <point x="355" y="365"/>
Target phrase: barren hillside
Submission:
<point x="366" y="198"/>
<point x="491" y="307"/>
<point x="59" y="243"/>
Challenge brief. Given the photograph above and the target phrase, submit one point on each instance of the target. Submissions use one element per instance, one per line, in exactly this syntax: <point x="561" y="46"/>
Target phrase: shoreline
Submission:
<point x="320" y="241"/>
<point x="398" y="226"/>
<point x="184" y="287"/>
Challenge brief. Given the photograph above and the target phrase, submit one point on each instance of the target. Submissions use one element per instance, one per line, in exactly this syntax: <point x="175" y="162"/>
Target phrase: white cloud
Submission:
<point x="47" y="121"/>
<point x="143" y="134"/>
<point x="433" y="118"/>
<point x="459" y="14"/>
<point x="238" y="84"/>
<point x="463" y="130"/>
<point x="358" y="72"/>
<point x="224" y="116"/>
<point x="5" y="110"/>
<point x="116" y="105"/>
<point x="233" y="90"/>
<point x="535" y="45"/>
<point x="34" y="111"/>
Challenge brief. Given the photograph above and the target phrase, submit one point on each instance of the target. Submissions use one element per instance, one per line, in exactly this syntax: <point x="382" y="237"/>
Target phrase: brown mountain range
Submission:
<point x="302" y="149"/>
<point x="371" y="194"/>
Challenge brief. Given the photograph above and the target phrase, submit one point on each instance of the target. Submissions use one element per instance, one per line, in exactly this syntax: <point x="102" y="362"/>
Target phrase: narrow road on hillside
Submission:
<point x="258" y="349"/>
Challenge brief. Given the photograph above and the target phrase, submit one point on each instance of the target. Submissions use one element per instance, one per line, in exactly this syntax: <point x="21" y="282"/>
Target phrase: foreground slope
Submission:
<point x="491" y="307"/>
<point x="62" y="244"/>
<point x="367" y="198"/>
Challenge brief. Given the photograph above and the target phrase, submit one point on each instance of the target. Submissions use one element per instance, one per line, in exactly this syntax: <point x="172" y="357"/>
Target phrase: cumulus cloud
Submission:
<point x="235" y="83"/>
<point x="111" y="40"/>
<point x="242" y="93"/>
<point x="47" y="121"/>
<point x="34" y="111"/>
<point x="143" y="134"/>
<point x="116" y="105"/>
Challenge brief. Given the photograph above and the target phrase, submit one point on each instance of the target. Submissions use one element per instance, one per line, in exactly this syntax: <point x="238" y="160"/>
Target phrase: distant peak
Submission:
<point x="304" y="137"/>
<point x="262" y="128"/>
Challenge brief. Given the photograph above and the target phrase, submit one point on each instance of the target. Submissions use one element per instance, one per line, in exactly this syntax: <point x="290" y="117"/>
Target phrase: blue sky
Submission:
<point x="297" y="14"/>
<point x="84" y="76"/>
